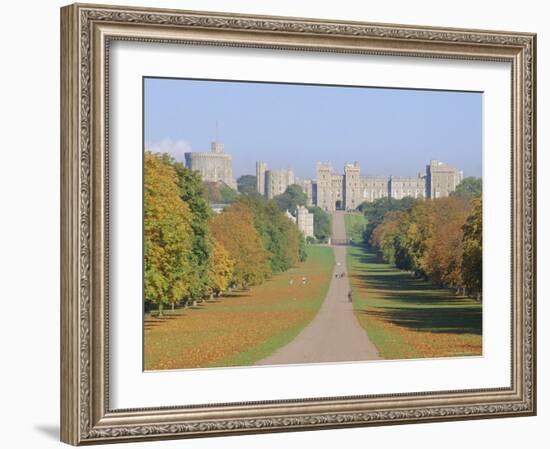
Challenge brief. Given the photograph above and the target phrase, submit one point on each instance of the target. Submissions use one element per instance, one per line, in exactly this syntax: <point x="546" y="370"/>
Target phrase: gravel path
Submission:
<point x="334" y="335"/>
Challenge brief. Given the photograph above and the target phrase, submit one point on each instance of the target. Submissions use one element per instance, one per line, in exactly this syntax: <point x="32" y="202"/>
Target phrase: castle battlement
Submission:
<point x="213" y="165"/>
<point x="349" y="189"/>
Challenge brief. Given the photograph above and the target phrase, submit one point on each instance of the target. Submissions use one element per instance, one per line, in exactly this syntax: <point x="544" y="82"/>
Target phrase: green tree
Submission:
<point x="322" y="228"/>
<point x="219" y="192"/>
<point x="470" y="187"/>
<point x="246" y="185"/>
<point x="293" y="197"/>
<point x="227" y="193"/>
<point x="472" y="260"/>
<point x="376" y="210"/>
<point x="191" y="191"/>
<point x="211" y="192"/>
<point x="166" y="234"/>
<point x="280" y="236"/>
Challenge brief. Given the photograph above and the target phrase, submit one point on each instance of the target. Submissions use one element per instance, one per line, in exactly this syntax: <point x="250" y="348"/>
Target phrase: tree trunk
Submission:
<point x="161" y="307"/>
<point x="173" y="306"/>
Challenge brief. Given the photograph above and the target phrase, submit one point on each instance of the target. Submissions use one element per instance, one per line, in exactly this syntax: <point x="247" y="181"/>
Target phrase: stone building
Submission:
<point x="213" y="166"/>
<point x="374" y="187"/>
<point x="304" y="221"/>
<point x="401" y="187"/>
<point x="331" y="191"/>
<point x="271" y="183"/>
<point x="442" y="179"/>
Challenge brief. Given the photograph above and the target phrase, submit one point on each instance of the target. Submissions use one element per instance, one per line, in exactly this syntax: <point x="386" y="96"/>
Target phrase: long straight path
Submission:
<point x="334" y="335"/>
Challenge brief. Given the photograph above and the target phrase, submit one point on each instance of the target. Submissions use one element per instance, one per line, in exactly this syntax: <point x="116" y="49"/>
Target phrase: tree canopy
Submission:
<point x="439" y="239"/>
<point x="375" y="212"/>
<point x="280" y="236"/>
<point x="166" y="234"/>
<point x="191" y="192"/>
<point x="218" y="192"/>
<point x="472" y="260"/>
<point x="293" y="197"/>
<point x="470" y="187"/>
<point x="322" y="227"/>
<point x="234" y="229"/>
<point x="246" y="185"/>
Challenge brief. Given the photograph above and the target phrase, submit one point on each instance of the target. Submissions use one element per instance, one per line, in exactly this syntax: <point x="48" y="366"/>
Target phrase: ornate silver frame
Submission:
<point x="86" y="32"/>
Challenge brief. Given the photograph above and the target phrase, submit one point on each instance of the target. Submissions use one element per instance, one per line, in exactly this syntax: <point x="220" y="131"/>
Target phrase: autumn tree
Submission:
<point x="167" y="235"/>
<point x="221" y="269"/>
<point x="376" y="210"/>
<point x="234" y="229"/>
<point x="443" y="257"/>
<point x="472" y="261"/>
<point x="191" y="191"/>
<point x="428" y="239"/>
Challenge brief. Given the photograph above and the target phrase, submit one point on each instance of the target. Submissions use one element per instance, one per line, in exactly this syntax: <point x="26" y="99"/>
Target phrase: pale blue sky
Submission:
<point x="389" y="131"/>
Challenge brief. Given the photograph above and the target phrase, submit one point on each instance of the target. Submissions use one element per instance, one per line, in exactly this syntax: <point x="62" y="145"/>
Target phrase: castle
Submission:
<point x="332" y="191"/>
<point x="213" y="166"/>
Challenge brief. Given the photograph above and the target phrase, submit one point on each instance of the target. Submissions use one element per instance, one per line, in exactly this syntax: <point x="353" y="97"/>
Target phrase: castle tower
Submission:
<point x="261" y="168"/>
<point x="441" y="179"/>
<point x="324" y="187"/>
<point x="352" y="186"/>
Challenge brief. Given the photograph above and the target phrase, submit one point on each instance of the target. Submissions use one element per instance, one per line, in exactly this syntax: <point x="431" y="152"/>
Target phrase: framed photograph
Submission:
<point x="279" y="224"/>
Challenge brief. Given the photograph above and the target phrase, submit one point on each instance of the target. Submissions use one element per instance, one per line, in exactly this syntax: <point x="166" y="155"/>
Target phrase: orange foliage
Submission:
<point x="234" y="229"/>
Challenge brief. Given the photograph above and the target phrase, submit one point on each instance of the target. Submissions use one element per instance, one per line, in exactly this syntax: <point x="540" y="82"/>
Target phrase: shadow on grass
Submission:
<point x="453" y="320"/>
<point x="414" y="302"/>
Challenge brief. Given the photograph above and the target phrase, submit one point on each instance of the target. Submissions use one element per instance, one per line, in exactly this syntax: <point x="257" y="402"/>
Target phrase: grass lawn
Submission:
<point x="410" y="318"/>
<point x="355" y="224"/>
<point x="244" y="327"/>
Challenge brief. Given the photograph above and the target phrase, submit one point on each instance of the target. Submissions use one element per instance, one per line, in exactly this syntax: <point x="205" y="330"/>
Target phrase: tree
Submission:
<point x="191" y="191"/>
<point x="246" y="185"/>
<point x="472" y="260"/>
<point x="293" y="197"/>
<point x="385" y="234"/>
<point x="212" y="193"/>
<point x="167" y="235"/>
<point x="443" y="257"/>
<point x="280" y="236"/>
<point x="234" y="229"/>
<point x="219" y="192"/>
<point x="375" y="212"/>
<point x="322" y="228"/>
<point x="221" y="269"/>
<point x="227" y="193"/>
<point x="470" y="187"/>
<point x="427" y="239"/>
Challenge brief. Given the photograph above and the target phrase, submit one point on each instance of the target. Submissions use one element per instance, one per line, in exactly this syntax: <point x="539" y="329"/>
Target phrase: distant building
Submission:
<point x="442" y="179"/>
<point x="213" y="166"/>
<point x="332" y="191"/>
<point x="402" y="187"/>
<point x="271" y="183"/>
<point x="304" y="221"/>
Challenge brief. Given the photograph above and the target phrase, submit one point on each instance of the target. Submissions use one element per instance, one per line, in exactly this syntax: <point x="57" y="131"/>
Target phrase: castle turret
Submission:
<point x="261" y="168"/>
<point x="352" y="186"/>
